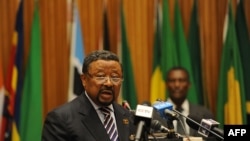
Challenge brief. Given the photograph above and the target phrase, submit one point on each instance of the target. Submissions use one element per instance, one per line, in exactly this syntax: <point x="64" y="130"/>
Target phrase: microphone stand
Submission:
<point x="142" y="134"/>
<point x="145" y="136"/>
<point x="172" y="135"/>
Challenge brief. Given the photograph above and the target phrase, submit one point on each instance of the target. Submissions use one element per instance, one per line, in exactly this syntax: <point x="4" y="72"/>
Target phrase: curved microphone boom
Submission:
<point x="192" y="122"/>
<point x="214" y="130"/>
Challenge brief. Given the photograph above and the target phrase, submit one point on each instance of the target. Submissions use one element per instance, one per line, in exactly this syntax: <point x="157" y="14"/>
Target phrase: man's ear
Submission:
<point x="83" y="79"/>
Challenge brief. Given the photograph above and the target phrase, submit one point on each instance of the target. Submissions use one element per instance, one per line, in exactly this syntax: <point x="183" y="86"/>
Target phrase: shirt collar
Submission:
<point x="185" y="104"/>
<point x="96" y="106"/>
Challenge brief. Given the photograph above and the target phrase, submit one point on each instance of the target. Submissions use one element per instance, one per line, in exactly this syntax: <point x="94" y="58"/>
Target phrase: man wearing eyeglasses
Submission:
<point x="94" y="115"/>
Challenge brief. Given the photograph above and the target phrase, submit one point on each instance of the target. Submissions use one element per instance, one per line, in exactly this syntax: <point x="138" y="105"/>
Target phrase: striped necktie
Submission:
<point x="109" y="124"/>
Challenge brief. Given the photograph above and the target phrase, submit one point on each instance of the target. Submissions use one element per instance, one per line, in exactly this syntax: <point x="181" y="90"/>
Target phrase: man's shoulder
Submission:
<point x="121" y="109"/>
<point x="67" y="107"/>
<point x="198" y="106"/>
<point x="200" y="110"/>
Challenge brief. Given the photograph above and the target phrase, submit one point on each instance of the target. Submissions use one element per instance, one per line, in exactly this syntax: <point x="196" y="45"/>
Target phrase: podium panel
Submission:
<point x="193" y="139"/>
<point x="163" y="137"/>
<point x="179" y="139"/>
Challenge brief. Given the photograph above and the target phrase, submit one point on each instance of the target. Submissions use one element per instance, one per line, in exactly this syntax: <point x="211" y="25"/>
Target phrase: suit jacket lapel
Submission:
<point x="122" y="122"/>
<point x="91" y="120"/>
<point x="193" y="111"/>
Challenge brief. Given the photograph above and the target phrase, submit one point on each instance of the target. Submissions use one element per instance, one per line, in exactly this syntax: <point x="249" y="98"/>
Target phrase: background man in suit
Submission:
<point x="178" y="84"/>
<point x="81" y="119"/>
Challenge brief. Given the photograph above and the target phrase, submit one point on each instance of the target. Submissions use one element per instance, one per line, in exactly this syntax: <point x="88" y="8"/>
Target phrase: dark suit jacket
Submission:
<point x="78" y="121"/>
<point x="200" y="112"/>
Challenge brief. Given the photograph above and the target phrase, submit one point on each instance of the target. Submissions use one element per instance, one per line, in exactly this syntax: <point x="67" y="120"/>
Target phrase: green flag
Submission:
<point x="231" y="108"/>
<point x="183" y="53"/>
<point x="128" y="86"/>
<point x="195" y="53"/>
<point x="157" y="83"/>
<point x="31" y="101"/>
<point x="244" y="47"/>
<point x="168" y="50"/>
<point x="169" y="57"/>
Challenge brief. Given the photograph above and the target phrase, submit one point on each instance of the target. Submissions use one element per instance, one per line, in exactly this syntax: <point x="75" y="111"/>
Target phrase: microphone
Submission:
<point x="171" y="114"/>
<point x="126" y="105"/>
<point x="143" y="116"/>
<point x="209" y="124"/>
<point x="156" y="125"/>
<point x="193" y="122"/>
<point x="164" y="108"/>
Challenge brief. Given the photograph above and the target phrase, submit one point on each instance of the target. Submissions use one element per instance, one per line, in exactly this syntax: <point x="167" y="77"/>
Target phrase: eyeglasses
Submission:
<point x="102" y="79"/>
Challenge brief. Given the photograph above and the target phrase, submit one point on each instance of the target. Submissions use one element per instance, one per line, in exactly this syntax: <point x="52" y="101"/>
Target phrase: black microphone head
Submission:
<point x="155" y="124"/>
<point x="171" y="114"/>
<point x="193" y="121"/>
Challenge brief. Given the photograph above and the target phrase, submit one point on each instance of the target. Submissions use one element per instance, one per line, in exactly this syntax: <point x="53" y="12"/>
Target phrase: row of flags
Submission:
<point x="21" y="93"/>
<point x="171" y="48"/>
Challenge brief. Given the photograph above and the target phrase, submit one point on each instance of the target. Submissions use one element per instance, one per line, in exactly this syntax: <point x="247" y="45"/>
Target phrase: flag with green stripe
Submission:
<point x="231" y="108"/>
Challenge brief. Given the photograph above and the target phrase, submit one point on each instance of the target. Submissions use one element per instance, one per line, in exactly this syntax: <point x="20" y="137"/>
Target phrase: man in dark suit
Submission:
<point x="81" y="119"/>
<point x="178" y="84"/>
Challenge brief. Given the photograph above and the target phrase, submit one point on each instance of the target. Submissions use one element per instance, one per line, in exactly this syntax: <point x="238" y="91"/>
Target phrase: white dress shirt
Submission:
<point x="185" y="112"/>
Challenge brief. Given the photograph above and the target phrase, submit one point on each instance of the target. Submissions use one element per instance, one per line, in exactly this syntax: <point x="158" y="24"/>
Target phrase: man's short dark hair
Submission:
<point x="98" y="55"/>
<point x="178" y="68"/>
